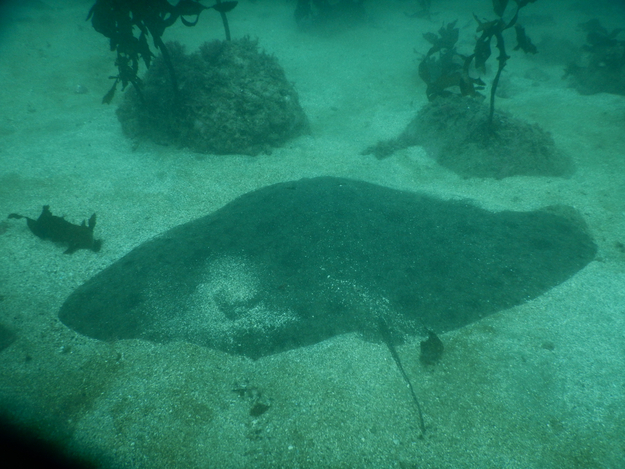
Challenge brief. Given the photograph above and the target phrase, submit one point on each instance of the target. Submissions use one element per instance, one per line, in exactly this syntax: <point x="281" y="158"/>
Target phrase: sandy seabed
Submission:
<point x="541" y="385"/>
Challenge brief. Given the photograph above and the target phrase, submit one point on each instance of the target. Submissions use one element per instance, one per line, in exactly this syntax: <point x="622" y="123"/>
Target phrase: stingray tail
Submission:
<point x="388" y="340"/>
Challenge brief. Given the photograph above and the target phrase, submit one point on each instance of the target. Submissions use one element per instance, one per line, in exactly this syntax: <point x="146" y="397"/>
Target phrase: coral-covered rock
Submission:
<point x="455" y="131"/>
<point x="231" y="98"/>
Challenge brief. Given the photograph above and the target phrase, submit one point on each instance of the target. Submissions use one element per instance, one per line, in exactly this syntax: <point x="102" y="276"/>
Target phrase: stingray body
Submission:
<point x="295" y="263"/>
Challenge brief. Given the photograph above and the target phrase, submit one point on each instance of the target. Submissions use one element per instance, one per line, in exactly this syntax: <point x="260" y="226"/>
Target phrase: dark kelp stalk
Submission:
<point x="121" y="20"/>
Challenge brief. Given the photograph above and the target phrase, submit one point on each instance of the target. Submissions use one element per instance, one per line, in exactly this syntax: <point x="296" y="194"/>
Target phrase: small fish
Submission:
<point x="59" y="230"/>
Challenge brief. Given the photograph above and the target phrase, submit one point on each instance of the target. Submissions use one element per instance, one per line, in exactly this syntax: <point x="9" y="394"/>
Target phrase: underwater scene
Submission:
<point x="312" y="234"/>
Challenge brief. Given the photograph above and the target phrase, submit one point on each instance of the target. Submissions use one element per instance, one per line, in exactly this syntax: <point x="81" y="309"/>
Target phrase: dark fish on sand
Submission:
<point x="59" y="230"/>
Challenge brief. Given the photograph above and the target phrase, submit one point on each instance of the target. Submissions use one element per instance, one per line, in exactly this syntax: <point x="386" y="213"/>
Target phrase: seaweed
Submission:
<point x="457" y="128"/>
<point x="495" y="29"/>
<point x="444" y="67"/>
<point x="601" y="65"/>
<point x="450" y="68"/>
<point x="117" y="20"/>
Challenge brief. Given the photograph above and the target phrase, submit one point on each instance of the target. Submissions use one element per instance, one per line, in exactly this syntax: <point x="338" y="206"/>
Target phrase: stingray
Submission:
<point x="295" y="263"/>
